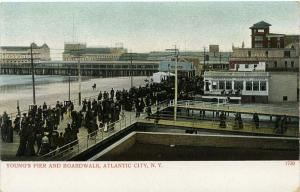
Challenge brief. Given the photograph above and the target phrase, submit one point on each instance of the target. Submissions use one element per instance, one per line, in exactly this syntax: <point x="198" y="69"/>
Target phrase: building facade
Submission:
<point x="252" y="87"/>
<point x="280" y="52"/>
<point x="248" y="87"/>
<point x="214" y="60"/>
<point x="22" y="54"/>
<point x="75" y="51"/>
<point x="283" y="87"/>
<point x="183" y="68"/>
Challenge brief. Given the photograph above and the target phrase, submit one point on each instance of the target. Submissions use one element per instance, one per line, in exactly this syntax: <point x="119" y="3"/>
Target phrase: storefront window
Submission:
<point x="263" y="86"/>
<point x="221" y="84"/>
<point x="214" y="85"/>
<point x="255" y="85"/>
<point x="228" y="85"/>
<point x="238" y="85"/>
<point x="249" y="85"/>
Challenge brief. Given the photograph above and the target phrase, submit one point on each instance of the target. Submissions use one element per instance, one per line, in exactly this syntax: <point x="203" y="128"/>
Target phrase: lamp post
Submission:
<point x="131" y="72"/>
<point x="176" y="51"/>
<point x="176" y="84"/>
<point x="32" y="73"/>
<point x="69" y="86"/>
<point x="79" y="76"/>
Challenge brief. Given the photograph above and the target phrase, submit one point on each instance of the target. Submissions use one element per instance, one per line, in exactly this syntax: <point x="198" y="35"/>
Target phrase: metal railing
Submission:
<point x="211" y="121"/>
<point x="67" y="151"/>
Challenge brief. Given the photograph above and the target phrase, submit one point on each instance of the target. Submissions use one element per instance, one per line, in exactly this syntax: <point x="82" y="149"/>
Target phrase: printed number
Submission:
<point x="290" y="163"/>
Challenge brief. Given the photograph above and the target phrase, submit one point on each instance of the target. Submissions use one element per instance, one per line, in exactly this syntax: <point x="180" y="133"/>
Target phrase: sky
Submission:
<point x="142" y="26"/>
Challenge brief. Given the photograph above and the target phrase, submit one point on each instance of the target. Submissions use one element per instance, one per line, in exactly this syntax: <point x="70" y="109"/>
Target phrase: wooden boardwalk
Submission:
<point x="289" y="110"/>
<point x="248" y="128"/>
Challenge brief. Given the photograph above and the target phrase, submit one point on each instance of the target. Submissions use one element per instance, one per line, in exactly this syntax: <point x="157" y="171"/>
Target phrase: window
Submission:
<point x="258" y="38"/>
<point x="278" y="45"/>
<point x="206" y="57"/>
<point x="287" y="54"/>
<point x="249" y="85"/>
<point x="263" y="86"/>
<point x="228" y="85"/>
<point x="258" y="45"/>
<point x="260" y="30"/>
<point x="275" y="64"/>
<point x="249" y="53"/>
<point x="292" y="64"/>
<point x="285" y="64"/>
<point x="267" y="53"/>
<point x="238" y="85"/>
<point x="255" y="85"/>
<point x="246" y="66"/>
<point x="221" y="84"/>
<point x="284" y="98"/>
<point x="214" y="84"/>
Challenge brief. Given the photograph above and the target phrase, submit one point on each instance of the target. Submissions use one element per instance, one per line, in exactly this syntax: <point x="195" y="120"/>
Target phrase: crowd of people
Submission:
<point x="40" y="132"/>
<point x="39" y="128"/>
<point x="281" y="123"/>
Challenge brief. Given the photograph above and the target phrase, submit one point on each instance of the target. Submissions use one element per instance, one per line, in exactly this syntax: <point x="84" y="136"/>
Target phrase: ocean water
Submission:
<point x="18" y="89"/>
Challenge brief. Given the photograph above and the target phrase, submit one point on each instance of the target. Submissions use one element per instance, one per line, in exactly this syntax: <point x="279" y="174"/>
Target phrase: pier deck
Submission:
<point x="288" y="109"/>
<point x="204" y="125"/>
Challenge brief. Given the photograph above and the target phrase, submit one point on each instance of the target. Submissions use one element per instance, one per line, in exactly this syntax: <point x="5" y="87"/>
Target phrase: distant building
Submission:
<point x="214" y="48"/>
<point x="215" y="60"/>
<point x="280" y="52"/>
<point x="242" y="86"/>
<point x="251" y="87"/>
<point x="183" y="68"/>
<point x="73" y="51"/>
<point x="258" y="66"/>
<point x="22" y="54"/>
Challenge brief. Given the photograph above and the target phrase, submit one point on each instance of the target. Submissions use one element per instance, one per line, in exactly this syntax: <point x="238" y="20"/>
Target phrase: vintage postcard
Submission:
<point x="149" y="96"/>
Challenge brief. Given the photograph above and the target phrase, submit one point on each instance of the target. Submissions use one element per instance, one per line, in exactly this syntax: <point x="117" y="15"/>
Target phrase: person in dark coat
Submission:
<point x="30" y="151"/>
<point x="222" y="120"/>
<point x="10" y="132"/>
<point x="60" y="140"/>
<point x="112" y="93"/>
<point x="23" y="136"/>
<point x="256" y="120"/>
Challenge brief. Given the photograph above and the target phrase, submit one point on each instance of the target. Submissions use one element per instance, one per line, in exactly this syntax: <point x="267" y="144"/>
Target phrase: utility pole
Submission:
<point x="69" y="87"/>
<point x="32" y="74"/>
<point x="131" y="71"/>
<point x="176" y="84"/>
<point x="79" y="76"/>
<point x="204" y="58"/>
<point x="176" y="51"/>
<point x="221" y="61"/>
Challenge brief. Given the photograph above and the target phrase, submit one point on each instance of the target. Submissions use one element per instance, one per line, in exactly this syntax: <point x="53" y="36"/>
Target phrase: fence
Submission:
<point x="210" y="119"/>
<point x="75" y="147"/>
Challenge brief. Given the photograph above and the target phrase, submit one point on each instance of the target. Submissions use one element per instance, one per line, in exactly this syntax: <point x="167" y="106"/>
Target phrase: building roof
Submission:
<point x="135" y="56"/>
<point x="22" y="48"/>
<point x="275" y="35"/>
<point x="15" y="48"/>
<point x="98" y="50"/>
<point x="260" y="25"/>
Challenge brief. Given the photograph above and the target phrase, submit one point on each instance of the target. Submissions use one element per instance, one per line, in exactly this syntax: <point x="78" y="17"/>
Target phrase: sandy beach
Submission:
<point x="52" y="89"/>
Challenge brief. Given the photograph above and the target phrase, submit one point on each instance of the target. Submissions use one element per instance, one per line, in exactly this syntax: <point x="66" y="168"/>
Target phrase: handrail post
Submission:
<point x="87" y="141"/>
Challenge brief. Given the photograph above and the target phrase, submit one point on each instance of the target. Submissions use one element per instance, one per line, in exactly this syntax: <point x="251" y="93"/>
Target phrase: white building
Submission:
<point x="22" y="54"/>
<point x="250" y="87"/>
<point x="159" y="76"/>
<point x="243" y="86"/>
<point x="247" y="67"/>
